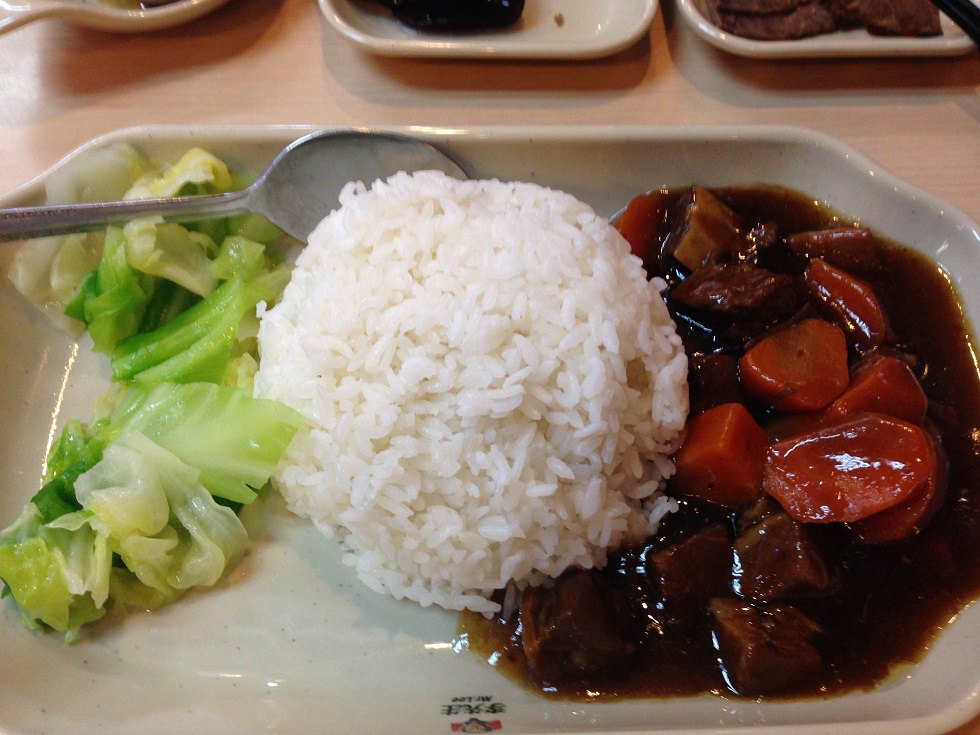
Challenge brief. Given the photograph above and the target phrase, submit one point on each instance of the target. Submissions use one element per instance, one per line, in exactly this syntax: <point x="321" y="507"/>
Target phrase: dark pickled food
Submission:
<point x="827" y="486"/>
<point x="455" y="15"/>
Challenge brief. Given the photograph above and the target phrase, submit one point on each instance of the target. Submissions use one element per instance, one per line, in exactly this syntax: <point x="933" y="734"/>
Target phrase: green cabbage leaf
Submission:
<point x="140" y="507"/>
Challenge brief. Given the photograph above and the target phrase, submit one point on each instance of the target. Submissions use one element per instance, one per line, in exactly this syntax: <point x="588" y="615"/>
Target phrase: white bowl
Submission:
<point x="291" y="642"/>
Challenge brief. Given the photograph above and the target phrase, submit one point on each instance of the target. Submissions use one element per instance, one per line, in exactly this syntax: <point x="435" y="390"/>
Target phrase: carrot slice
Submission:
<point x="802" y="367"/>
<point x="845" y="247"/>
<point x="908" y="518"/>
<point x="852" y="301"/>
<point x="883" y="384"/>
<point x="851" y="470"/>
<point x="721" y="459"/>
<point x="639" y="223"/>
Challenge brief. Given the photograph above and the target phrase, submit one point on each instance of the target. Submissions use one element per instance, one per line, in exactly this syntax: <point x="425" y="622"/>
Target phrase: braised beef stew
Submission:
<point x="759" y="585"/>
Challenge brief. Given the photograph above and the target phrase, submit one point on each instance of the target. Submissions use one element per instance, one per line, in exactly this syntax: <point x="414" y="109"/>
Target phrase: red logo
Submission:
<point x="474" y="724"/>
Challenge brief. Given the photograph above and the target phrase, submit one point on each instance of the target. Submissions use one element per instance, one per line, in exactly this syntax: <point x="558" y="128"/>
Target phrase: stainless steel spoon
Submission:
<point x="296" y="190"/>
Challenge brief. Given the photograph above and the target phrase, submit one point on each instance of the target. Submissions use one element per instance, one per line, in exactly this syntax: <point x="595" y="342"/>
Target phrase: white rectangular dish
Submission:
<point x="852" y="43"/>
<point x="548" y="29"/>
<point x="291" y="642"/>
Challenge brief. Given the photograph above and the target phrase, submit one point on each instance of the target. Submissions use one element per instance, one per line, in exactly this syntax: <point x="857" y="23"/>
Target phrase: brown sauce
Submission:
<point x="890" y="600"/>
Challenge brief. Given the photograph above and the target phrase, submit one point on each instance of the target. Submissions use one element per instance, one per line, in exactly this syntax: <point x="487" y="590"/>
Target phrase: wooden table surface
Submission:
<point x="278" y="61"/>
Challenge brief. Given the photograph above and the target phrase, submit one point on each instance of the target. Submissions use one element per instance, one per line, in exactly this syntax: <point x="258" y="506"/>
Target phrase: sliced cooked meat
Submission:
<point x="759" y="7"/>
<point x="901" y="17"/>
<point x="847" y="13"/>
<point x="765" y="648"/>
<point x="775" y="20"/>
<point x="809" y="19"/>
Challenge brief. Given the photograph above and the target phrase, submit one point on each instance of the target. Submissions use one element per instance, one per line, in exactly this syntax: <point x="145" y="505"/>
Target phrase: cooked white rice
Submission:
<point x="492" y="386"/>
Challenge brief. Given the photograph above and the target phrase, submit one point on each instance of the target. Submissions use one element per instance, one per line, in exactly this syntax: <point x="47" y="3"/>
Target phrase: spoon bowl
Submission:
<point x="294" y="192"/>
<point x="104" y="17"/>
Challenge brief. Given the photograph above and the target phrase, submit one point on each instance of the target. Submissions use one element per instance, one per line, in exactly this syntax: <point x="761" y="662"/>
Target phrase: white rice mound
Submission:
<point x="492" y="387"/>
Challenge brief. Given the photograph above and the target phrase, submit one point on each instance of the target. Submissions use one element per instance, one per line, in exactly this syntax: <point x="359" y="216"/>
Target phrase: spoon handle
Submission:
<point x="22" y="223"/>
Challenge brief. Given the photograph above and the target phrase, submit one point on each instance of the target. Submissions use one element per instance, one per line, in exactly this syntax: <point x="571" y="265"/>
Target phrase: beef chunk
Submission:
<point x="735" y="289"/>
<point x="808" y="19"/>
<point x="755" y="513"/>
<point x="579" y="625"/>
<point x="738" y="299"/>
<point x="901" y="17"/>
<point x="764" y="648"/>
<point x="776" y="557"/>
<point x="691" y="572"/>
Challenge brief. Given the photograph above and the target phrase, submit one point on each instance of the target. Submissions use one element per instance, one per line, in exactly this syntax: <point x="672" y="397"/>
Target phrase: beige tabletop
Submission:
<point x="278" y="61"/>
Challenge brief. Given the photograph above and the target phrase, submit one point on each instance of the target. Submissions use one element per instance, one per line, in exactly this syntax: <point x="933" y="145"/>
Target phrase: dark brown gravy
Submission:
<point x="893" y="599"/>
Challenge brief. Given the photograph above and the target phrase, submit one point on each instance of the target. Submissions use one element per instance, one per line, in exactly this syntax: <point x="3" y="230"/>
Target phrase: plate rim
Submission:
<point x="249" y="132"/>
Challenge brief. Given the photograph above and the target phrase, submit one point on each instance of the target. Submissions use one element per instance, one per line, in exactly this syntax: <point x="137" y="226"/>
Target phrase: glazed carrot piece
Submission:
<point x="883" y="384"/>
<point x="639" y="224"/>
<point x="852" y="302"/>
<point x="721" y="459"/>
<point x="849" y="471"/>
<point x="802" y="367"/>
<point x="908" y="518"/>
<point x="845" y="247"/>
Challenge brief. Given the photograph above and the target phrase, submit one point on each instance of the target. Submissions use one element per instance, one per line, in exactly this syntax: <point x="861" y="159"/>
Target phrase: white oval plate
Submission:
<point x="291" y="642"/>
<point x="853" y="43"/>
<point x="103" y="16"/>
<point x="548" y="29"/>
